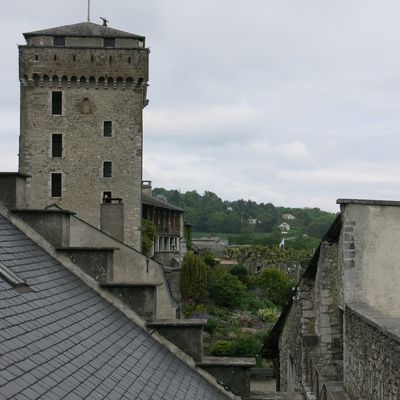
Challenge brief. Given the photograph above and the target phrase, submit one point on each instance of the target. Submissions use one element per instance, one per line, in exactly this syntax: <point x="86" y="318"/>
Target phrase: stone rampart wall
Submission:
<point x="372" y="354"/>
<point x="328" y="322"/>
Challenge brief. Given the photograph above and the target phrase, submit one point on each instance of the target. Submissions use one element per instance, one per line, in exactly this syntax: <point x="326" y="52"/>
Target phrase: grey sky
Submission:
<point x="295" y="102"/>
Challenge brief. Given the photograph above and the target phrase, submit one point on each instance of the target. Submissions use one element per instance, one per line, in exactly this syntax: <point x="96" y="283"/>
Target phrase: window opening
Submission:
<point x="109" y="42"/>
<point x="107" y="169"/>
<point x="36" y="57"/>
<point x="56" y="103"/>
<point x="107" y="197"/>
<point x="56" y="181"/>
<point x="56" y="145"/>
<point x="73" y="58"/>
<point x="107" y="129"/>
<point x="59" y="41"/>
<point x="55" y="58"/>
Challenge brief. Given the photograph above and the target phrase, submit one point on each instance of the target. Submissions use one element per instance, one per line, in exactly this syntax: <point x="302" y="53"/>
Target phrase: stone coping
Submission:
<point x="227" y="362"/>
<point x="87" y="248"/>
<point x="130" y="284"/>
<point x="42" y="211"/>
<point x="14" y="174"/>
<point x="177" y="322"/>
<point x="367" y="202"/>
<point x="387" y="325"/>
<point x="174" y="269"/>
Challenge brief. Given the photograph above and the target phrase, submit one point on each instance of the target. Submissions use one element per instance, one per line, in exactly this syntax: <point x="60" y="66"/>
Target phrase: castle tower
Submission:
<point x="83" y="90"/>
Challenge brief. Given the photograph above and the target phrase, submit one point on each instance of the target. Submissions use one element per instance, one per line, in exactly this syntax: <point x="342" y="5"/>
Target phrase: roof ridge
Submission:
<point x="82" y="29"/>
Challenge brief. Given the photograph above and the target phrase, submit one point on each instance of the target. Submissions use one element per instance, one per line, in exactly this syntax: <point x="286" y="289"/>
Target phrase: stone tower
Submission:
<point x="83" y="90"/>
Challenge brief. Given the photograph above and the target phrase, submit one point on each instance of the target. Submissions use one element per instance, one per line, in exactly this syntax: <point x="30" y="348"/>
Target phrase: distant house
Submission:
<point x="288" y="216"/>
<point x="253" y="221"/>
<point x="284" y="227"/>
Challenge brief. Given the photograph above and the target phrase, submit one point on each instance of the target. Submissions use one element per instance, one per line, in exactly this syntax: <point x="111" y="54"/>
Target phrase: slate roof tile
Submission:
<point x="63" y="341"/>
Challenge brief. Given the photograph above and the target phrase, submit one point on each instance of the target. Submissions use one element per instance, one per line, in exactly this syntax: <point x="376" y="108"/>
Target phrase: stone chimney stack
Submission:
<point x="146" y="188"/>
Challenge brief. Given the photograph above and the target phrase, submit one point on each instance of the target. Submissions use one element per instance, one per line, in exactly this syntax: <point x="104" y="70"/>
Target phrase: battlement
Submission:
<point x="101" y="82"/>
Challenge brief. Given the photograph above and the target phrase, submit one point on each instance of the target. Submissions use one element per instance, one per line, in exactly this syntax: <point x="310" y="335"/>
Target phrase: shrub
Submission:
<point x="193" y="280"/>
<point x="189" y="309"/>
<point x="211" y="325"/>
<point x="276" y="285"/>
<point x="222" y="348"/>
<point x="267" y="314"/>
<point x="149" y="235"/>
<point x="245" y="345"/>
<point x="252" y="303"/>
<point x="226" y="290"/>
<point x="241" y="272"/>
<point x="209" y="260"/>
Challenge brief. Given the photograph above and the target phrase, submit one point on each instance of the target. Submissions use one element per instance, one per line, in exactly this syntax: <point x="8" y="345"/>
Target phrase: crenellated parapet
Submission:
<point x="83" y="82"/>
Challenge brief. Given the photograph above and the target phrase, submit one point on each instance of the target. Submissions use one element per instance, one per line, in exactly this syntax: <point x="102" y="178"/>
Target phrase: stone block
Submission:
<point x="187" y="334"/>
<point x="234" y="373"/>
<point x="140" y="297"/>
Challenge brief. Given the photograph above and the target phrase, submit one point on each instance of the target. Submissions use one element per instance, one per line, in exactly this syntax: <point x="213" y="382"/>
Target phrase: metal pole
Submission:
<point x="88" y="11"/>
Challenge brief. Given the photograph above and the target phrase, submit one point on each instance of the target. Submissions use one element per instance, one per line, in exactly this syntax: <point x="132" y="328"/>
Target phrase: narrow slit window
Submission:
<point x="107" y="169"/>
<point x="55" y="58"/>
<point x="107" y="129"/>
<point x="59" y="41"/>
<point x="106" y="197"/>
<point x="56" y="103"/>
<point x="109" y="42"/>
<point x="56" y="145"/>
<point x="56" y="182"/>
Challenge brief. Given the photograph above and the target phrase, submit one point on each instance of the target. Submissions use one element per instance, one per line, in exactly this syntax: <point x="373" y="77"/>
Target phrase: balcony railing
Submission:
<point x="315" y="382"/>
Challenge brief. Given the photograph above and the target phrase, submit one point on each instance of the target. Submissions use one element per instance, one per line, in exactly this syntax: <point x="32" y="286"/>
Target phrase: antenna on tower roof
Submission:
<point x="105" y="21"/>
<point x="88" y="11"/>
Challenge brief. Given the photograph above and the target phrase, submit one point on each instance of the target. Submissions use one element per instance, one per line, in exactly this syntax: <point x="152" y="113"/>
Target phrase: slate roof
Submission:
<point x="156" y="202"/>
<point x="63" y="341"/>
<point x="83" y="29"/>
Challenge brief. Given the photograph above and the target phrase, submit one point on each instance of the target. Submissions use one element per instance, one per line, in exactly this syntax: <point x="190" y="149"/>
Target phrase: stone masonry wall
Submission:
<point x="299" y="323"/>
<point x="328" y="322"/>
<point x="97" y="85"/>
<point x="372" y="354"/>
<point x="289" y="345"/>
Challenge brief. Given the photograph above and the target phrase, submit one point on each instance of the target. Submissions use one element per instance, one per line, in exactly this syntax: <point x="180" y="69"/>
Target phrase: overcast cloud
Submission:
<point x="295" y="102"/>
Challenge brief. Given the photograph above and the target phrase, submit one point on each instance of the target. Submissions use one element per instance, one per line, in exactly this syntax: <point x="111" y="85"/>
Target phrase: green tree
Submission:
<point x="276" y="285"/>
<point x="193" y="279"/>
<point x="225" y="289"/>
<point x="149" y="235"/>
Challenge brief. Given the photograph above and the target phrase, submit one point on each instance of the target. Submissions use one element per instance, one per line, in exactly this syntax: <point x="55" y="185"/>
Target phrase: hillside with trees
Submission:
<point x="248" y="222"/>
<point x="242" y="301"/>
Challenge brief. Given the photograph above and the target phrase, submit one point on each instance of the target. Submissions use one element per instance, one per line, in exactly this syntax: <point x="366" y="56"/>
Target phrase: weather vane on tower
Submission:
<point x="88" y="11"/>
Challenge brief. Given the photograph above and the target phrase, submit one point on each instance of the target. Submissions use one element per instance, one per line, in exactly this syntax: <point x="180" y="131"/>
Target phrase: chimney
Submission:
<point x="112" y="217"/>
<point x="146" y="187"/>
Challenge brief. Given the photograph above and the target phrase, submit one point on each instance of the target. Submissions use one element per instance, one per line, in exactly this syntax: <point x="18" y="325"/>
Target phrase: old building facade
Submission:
<point x="83" y="89"/>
